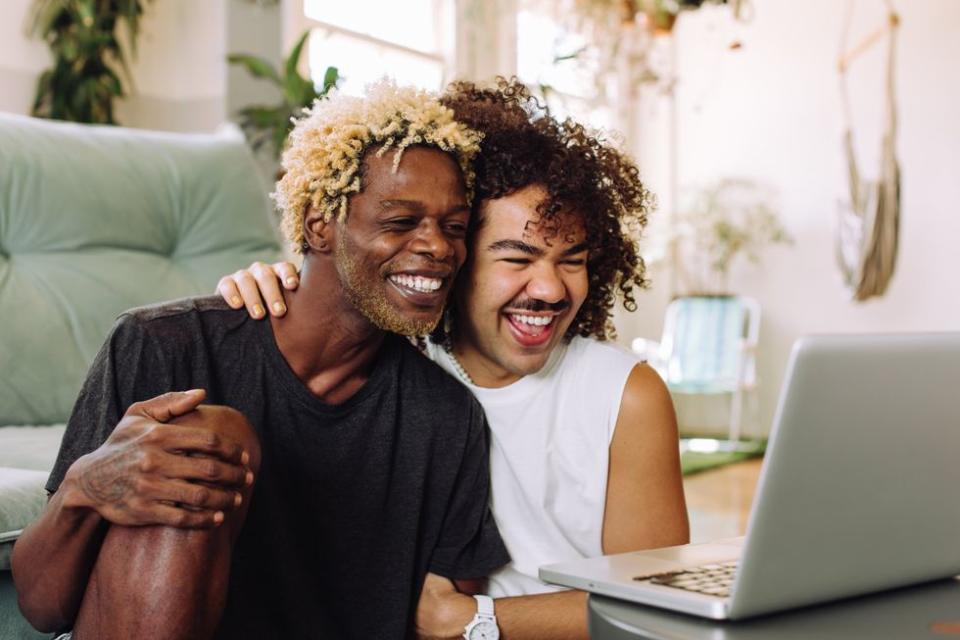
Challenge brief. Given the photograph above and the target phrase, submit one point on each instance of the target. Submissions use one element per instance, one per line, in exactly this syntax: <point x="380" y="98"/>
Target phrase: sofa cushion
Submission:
<point x="26" y="456"/>
<point x="36" y="448"/>
<point x="23" y="500"/>
<point x="95" y="220"/>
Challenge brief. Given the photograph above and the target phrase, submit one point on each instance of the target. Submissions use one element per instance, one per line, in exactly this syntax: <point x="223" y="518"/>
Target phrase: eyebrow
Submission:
<point x="529" y="249"/>
<point x="416" y="205"/>
<point x="577" y="248"/>
<point x="515" y="245"/>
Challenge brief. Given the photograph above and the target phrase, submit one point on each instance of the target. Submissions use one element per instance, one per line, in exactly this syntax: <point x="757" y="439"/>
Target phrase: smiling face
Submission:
<point x="403" y="239"/>
<point x="521" y="290"/>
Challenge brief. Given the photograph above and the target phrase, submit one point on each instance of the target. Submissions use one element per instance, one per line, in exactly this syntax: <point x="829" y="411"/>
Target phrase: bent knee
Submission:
<point x="227" y="422"/>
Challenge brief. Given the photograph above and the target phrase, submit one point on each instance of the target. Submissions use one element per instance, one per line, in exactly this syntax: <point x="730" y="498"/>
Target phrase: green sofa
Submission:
<point x="95" y="220"/>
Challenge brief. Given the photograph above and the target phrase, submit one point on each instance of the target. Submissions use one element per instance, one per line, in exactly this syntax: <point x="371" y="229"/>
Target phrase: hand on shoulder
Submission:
<point x="258" y="288"/>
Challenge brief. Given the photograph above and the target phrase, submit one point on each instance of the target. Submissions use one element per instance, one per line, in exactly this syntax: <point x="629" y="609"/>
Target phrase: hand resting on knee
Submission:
<point x="166" y="463"/>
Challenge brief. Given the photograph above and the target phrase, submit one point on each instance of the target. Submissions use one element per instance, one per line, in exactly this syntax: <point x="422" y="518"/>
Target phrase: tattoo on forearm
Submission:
<point x="109" y="483"/>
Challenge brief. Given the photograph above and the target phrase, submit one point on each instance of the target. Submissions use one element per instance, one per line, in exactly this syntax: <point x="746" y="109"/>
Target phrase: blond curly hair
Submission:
<point x="325" y="151"/>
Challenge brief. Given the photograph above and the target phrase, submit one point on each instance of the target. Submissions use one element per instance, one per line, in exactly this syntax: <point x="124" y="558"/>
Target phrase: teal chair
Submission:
<point x="708" y="347"/>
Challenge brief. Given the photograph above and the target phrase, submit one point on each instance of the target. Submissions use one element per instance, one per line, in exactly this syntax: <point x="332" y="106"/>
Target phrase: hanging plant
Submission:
<point x="88" y="58"/>
<point x="615" y="39"/>
<point x="662" y="14"/>
<point x="272" y="123"/>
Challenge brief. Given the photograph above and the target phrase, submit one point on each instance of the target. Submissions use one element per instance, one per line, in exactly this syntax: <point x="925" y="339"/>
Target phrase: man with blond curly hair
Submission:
<point x="333" y="467"/>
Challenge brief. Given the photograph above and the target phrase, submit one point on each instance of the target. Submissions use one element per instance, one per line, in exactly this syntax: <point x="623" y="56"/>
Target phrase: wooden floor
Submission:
<point x="719" y="501"/>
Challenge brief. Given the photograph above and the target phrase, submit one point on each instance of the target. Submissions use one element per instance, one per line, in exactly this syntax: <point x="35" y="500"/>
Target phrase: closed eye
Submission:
<point x="400" y="223"/>
<point x="457" y="229"/>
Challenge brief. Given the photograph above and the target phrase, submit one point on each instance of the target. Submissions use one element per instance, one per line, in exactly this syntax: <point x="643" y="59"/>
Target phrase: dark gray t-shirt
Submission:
<point x="353" y="504"/>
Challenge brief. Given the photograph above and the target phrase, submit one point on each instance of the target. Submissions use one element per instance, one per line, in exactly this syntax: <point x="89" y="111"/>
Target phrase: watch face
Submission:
<point x="484" y="630"/>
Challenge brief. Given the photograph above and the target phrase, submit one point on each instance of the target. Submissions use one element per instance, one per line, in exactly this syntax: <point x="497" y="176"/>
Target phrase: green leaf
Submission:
<point x="573" y="55"/>
<point x="261" y="117"/>
<point x="111" y="82"/>
<point x="257" y="66"/>
<point x="330" y="78"/>
<point x="70" y="50"/>
<point x="132" y="10"/>
<point x="258" y="139"/>
<point x="85" y="13"/>
<point x="294" y="60"/>
<point x="45" y="14"/>
<point x="80" y="103"/>
<point x="298" y="91"/>
<point x="308" y="94"/>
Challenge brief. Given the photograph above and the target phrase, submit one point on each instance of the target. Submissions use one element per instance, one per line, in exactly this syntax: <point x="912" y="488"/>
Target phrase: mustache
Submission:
<point x="534" y="305"/>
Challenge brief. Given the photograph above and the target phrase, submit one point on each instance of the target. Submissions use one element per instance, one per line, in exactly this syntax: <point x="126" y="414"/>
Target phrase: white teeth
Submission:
<point x="417" y="283"/>
<point x="539" y="321"/>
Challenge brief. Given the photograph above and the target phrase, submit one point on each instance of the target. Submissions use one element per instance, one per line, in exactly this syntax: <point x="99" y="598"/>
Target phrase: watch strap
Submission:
<point x="484" y="605"/>
<point x="484" y="616"/>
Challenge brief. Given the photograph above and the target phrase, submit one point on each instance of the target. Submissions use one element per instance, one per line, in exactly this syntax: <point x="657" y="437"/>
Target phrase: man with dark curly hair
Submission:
<point x="584" y="457"/>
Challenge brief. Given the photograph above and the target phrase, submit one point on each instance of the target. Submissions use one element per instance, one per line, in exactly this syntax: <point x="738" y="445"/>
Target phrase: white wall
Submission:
<point x="21" y="58"/>
<point x="180" y="68"/>
<point x="770" y="111"/>
<point x="179" y="72"/>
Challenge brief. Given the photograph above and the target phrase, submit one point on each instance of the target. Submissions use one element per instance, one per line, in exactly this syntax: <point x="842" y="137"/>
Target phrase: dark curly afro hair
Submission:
<point x="522" y="146"/>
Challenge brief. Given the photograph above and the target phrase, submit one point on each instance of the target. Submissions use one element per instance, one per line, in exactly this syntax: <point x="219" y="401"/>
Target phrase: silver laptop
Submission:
<point x="859" y="491"/>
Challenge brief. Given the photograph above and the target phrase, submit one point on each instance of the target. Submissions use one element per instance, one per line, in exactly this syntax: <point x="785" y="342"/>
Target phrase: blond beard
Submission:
<point x="371" y="300"/>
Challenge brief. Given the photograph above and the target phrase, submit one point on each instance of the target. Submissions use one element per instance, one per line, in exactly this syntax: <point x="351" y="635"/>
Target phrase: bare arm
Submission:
<point x="645" y="506"/>
<point x="146" y="473"/>
<point x="53" y="558"/>
<point x="545" y="616"/>
<point x="443" y="613"/>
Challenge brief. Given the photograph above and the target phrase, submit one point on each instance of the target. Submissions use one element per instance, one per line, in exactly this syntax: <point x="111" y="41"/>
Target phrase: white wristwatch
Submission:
<point x="484" y="624"/>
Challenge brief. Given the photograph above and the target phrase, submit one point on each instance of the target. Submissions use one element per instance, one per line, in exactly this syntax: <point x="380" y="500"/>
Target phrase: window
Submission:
<point x="367" y="39"/>
<point x="559" y="64"/>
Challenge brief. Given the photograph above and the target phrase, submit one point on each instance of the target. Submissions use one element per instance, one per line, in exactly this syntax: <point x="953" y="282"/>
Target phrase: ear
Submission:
<point x="317" y="233"/>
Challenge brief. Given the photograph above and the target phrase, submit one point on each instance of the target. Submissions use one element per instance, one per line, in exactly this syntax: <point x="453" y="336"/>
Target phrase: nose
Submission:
<point x="430" y="240"/>
<point x="545" y="284"/>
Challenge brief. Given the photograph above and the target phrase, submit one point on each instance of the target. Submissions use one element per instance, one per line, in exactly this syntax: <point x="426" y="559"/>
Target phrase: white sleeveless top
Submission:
<point x="549" y="456"/>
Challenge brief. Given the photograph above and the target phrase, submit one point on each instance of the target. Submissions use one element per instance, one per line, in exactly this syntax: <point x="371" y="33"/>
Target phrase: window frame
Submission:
<point x="296" y="21"/>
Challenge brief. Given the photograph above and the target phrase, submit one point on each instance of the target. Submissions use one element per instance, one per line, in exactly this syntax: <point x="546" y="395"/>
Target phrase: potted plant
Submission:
<point x="272" y="123"/>
<point x="723" y="221"/>
<point x="84" y="80"/>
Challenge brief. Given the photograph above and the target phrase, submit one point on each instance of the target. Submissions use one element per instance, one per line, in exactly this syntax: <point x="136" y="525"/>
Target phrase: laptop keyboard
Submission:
<point x="710" y="579"/>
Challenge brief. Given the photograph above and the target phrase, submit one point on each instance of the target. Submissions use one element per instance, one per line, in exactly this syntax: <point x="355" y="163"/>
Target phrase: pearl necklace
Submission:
<point x="461" y="372"/>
